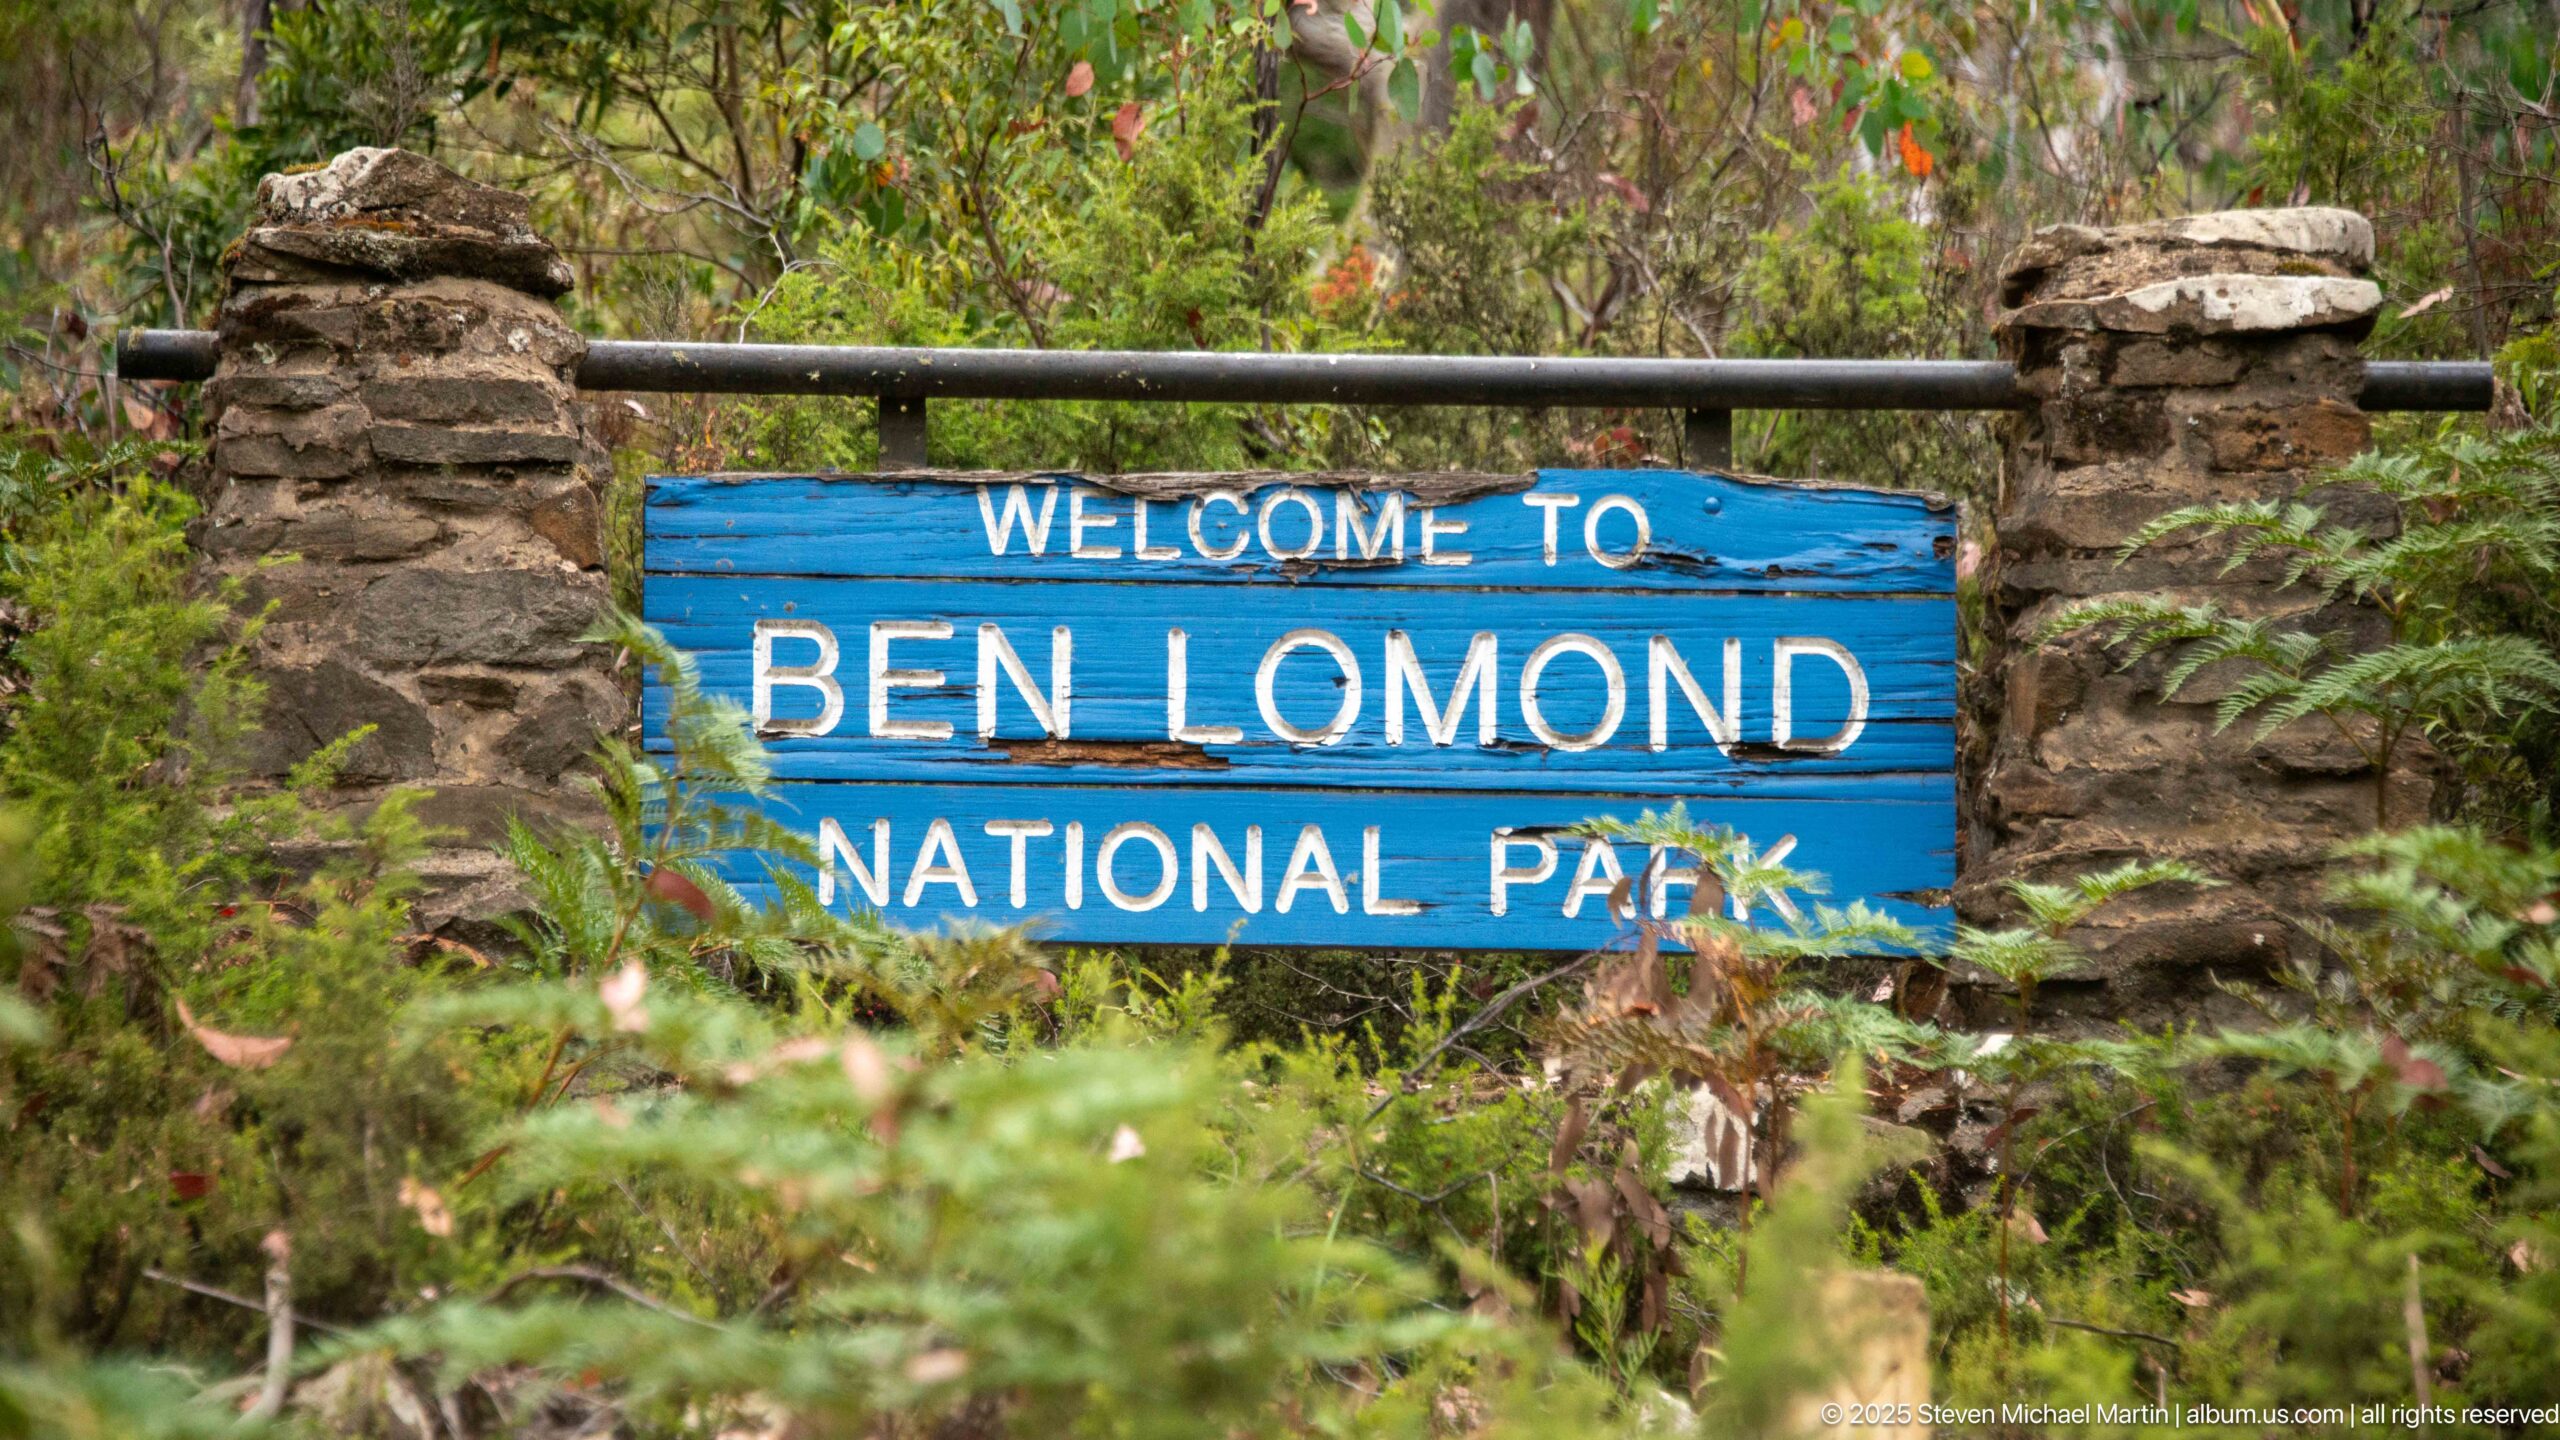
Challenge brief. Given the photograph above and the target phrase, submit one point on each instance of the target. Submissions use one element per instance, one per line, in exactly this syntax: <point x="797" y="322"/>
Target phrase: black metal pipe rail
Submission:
<point x="660" y="365"/>
<point x="1709" y="390"/>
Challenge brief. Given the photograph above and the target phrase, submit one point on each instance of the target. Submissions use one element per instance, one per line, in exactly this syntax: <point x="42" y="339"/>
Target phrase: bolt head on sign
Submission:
<point x="1301" y="710"/>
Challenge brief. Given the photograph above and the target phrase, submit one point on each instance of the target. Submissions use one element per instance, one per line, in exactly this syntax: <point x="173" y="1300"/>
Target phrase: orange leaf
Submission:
<point x="1079" y="79"/>
<point x="938" y="1367"/>
<point x="1916" y="158"/>
<point x="1126" y="126"/>
<point x="866" y="1068"/>
<point x="433" y="1217"/>
<point x="248" y="1052"/>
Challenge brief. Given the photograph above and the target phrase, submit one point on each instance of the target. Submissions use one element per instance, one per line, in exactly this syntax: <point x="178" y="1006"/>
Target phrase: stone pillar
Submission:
<point x="2205" y="359"/>
<point x="394" y="408"/>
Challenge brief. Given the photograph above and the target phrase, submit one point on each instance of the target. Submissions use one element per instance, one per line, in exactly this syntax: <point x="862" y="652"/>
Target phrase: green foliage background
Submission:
<point x="678" y="1167"/>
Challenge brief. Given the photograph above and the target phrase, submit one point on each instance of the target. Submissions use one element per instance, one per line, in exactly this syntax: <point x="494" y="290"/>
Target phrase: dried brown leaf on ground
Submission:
<point x="246" y="1052"/>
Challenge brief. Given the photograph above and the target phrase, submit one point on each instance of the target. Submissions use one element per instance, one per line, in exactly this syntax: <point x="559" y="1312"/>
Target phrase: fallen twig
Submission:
<point x="194" y="1287"/>
<point x="587" y="1275"/>
<point x="2103" y="1330"/>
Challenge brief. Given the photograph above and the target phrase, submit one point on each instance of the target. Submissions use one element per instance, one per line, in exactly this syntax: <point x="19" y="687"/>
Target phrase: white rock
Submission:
<point x="2260" y="302"/>
<point x="2306" y="230"/>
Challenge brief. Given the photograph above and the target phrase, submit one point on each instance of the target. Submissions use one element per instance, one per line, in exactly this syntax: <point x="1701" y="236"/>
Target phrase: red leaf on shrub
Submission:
<point x="190" y="1184"/>
<point x="1126" y="126"/>
<point x="1569" y="1133"/>
<point x="667" y="885"/>
<point x="2413" y="1070"/>
<point x="1079" y="79"/>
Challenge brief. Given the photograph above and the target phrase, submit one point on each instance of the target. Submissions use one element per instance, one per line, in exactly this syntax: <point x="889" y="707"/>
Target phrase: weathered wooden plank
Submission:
<point x="931" y="656"/>
<point x="1118" y="728"/>
<point x="1438" y="859"/>
<point x="1707" y="531"/>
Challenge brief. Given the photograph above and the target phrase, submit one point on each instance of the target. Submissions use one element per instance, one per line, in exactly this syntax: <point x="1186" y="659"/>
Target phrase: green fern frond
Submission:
<point x="2479" y="676"/>
<point x="2258" y="525"/>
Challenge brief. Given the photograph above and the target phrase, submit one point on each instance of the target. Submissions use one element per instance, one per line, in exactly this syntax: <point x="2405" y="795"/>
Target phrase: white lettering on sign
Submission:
<point x="1476" y="675"/>
<point x="971" y="728"/>
<point x="1200" y="511"/>
<point x="1433" y="528"/>
<point x="885" y="679"/>
<point x="1079" y="520"/>
<point x="1658" y="864"/>
<point x="1177" y="698"/>
<point x="1020" y="832"/>
<point x="1345" y="715"/>
<point x="1052" y="710"/>
<point x="872" y="878"/>
<point x="1662" y="660"/>
<point x="1306" y="504"/>
<point x="1611" y="676"/>
<point x="1594" y="876"/>
<point x="1311" y="867"/>
<point x="818" y="675"/>
<point x="1290" y="525"/>
<point x="1549" y="503"/>
<point x="1169" y="872"/>
<point x="1478" y="684"/>
<point x="1136" y="882"/>
<point x="951" y="870"/>
<point x="1017" y="511"/>
<point x="1206" y="851"/>
<point x="1601" y="508"/>
<point x="1782" y="707"/>
<point x="1387" y="529"/>
<point x="1373" y="880"/>
<point x="1138" y="537"/>
<point x="1506" y="874"/>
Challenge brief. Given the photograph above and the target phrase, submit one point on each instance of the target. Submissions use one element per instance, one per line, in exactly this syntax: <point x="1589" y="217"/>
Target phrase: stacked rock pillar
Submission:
<point x="2207" y="359"/>
<point x="393" y="409"/>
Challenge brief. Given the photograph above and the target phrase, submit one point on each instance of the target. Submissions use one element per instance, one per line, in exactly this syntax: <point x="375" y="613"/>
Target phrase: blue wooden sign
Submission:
<point x="1320" y="710"/>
